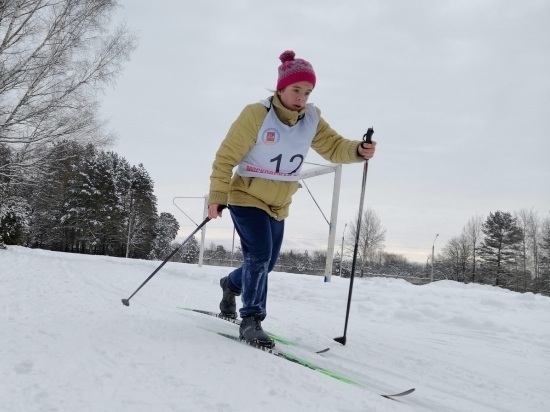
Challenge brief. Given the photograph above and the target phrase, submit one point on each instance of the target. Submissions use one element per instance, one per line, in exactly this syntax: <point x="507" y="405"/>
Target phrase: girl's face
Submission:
<point x="294" y="97"/>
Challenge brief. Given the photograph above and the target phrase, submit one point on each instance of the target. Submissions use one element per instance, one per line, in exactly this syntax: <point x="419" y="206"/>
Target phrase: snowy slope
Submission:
<point x="68" y="344"/>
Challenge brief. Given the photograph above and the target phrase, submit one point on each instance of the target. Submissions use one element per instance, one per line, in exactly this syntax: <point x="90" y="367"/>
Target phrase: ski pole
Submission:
<point x="366" y="139"/>
<point x="126" y="302"/>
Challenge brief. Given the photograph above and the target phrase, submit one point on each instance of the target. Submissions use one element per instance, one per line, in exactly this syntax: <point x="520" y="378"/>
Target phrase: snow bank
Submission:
<point x="67" y="342"/>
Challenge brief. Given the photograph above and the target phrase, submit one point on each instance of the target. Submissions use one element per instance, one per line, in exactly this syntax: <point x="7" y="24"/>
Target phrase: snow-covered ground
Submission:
<point x="68" y="344"/>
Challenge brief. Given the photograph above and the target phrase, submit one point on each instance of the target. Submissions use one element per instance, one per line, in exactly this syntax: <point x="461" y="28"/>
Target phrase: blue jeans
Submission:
<point x="261" y="239"/>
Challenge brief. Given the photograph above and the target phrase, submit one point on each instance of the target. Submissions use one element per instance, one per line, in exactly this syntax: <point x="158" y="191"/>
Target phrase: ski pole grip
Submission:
<point x="367" y="137"/>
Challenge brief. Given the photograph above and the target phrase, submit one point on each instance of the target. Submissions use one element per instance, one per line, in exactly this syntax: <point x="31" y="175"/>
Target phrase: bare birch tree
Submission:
<point x="473" y="233"/>
<point x="530" y="223"/>
<point x="55" y="58"/>
<point x="457" y="253"/>
<point x="542" y="283"/>
<point x="371" y="236"/>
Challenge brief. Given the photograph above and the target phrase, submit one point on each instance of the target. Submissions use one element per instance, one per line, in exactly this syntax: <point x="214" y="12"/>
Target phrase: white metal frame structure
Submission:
<point x="305" y="174"/>
<point x="204" y="215"/>
<point x="318" y="171"/>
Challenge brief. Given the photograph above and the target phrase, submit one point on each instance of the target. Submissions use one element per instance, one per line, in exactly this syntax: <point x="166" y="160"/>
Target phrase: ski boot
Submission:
<point x="251" y="331"/>
<point x="228" y="305"/>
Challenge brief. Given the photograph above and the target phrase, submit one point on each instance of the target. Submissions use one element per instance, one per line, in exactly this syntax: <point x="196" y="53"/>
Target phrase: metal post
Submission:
<point x="337" y="169"/>
<point x="333" y="218"/>
<point x="203" y="232"/>
<point x="433" y="248"/>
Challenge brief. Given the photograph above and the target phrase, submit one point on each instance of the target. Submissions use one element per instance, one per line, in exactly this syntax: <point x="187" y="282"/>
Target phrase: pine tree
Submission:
<point x="50" y="196"/>
<point x="189" y="253"/>
<point x="14" y="221"/>
<point x="499" y="249"/>
<point x="166" y="229"/>
<point x="93" y="205"/>
<point x="288" y="261"/>
<point x="122" y="177"/>
<point x="5" y="162"/>
<point x="304" y="263"/>
<point x="141" y="212"/>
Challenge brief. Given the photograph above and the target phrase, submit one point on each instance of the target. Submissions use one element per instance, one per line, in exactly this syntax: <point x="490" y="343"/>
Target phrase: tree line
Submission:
<point x="292" y="261"/>
<point x="504" y="249"/>
<point x="86" y="201"/>
<point x="371" y="257"/>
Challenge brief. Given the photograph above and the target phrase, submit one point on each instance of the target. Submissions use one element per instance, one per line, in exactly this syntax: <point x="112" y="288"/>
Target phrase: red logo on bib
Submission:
<point x="271" y="136"/>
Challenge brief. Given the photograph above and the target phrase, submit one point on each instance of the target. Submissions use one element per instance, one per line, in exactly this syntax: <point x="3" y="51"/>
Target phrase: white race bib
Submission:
<point x="280" y="150"/>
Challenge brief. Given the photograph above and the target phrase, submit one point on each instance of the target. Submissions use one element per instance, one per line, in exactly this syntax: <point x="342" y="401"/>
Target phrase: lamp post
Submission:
<point x="342" y="250"/>
<point x="433" y="247"/>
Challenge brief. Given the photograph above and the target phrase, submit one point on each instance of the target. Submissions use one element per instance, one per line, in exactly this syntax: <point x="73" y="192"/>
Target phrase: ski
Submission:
<point x="238" y="322"/>
<point x="307" y="364"/>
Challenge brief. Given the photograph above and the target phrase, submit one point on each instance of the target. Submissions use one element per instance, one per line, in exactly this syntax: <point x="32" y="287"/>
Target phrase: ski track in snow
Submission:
<point x="67" y="342"/>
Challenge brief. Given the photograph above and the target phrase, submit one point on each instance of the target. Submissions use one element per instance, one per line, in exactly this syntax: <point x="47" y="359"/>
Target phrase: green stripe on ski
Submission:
<point x="281" y="340"/>
<point x="292" y="358"/>
<point x="319" y="369"/>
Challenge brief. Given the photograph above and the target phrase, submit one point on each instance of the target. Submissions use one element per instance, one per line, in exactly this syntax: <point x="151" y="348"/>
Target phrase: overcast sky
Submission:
<point x="458" y="93"/>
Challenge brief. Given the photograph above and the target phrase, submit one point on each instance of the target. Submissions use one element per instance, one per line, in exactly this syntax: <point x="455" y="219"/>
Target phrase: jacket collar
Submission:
<point x="288" y="117"/>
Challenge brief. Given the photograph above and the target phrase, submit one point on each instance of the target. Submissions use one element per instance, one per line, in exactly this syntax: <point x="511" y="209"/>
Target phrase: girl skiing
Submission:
<point x="268" y="144"/>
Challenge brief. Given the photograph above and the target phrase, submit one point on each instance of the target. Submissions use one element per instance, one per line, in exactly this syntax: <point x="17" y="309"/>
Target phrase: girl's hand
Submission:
<point x="367" y="152"/>
<point x="213" y="212"/>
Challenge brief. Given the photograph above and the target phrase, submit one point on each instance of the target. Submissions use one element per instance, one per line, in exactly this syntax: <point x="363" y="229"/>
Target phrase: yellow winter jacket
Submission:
<point x="273" y="196"/>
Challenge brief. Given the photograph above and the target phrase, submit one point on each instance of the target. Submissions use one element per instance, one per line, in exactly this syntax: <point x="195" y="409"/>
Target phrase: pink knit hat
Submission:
<point x="294" y="70"/>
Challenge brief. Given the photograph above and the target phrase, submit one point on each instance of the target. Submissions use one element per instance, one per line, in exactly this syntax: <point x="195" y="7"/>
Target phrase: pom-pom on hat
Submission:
<point x="294" y="70"/>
